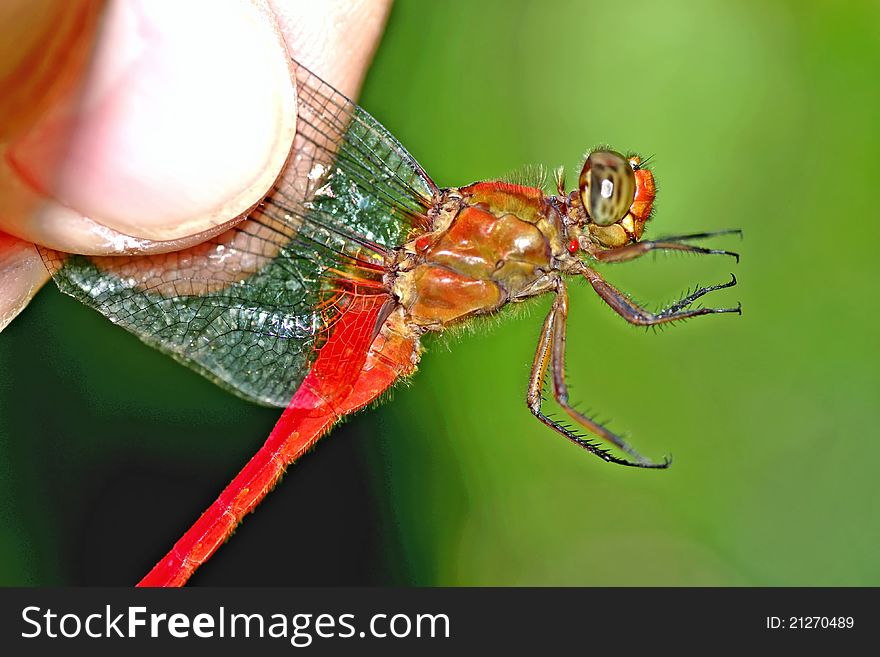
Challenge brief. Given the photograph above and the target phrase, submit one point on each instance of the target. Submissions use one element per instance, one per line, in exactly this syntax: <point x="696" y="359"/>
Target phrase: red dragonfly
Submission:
<point x="317" y="301"/>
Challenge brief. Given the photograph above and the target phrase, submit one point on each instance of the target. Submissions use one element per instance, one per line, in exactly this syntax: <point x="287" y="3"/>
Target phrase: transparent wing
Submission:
<point x="248" y="308"/>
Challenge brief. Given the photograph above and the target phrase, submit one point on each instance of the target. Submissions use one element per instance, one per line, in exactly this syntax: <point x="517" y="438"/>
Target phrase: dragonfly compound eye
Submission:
<point x="607" y="186"/>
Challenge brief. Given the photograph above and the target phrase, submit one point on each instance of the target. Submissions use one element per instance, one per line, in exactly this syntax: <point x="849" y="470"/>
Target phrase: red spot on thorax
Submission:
<point x="423" y="243"/>
<point x="573" y="246"/>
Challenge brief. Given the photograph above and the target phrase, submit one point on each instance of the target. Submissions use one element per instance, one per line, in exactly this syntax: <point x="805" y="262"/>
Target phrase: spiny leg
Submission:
<point x="700" y="291"/>
<point x="551" y="353"/>
<point x="674" y="243"/>
<point x="636" y="314"/>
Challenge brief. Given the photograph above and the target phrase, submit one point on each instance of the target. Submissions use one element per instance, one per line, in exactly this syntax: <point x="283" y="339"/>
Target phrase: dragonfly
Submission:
<point x="317" y="301"/>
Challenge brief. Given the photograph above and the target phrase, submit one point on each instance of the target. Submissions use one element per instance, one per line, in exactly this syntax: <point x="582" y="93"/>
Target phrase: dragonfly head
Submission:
<point x="616" y="194"/>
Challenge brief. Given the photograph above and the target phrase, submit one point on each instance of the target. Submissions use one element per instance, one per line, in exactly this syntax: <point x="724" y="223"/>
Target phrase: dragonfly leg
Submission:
<point x="551" y="354"/>
<point x="636" y="314"/>
<point x="674" y="243"/>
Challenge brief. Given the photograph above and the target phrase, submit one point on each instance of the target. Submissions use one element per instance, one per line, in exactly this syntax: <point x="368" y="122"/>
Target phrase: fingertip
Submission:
<point x="184" y="123"/>
<point x="336" y="38"/>
<point x="187" y="126"/>
<point x="185" y="119"/>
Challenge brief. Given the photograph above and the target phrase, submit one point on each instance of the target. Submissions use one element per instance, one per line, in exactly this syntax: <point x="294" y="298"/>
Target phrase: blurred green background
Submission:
<point x="761" y="115"/>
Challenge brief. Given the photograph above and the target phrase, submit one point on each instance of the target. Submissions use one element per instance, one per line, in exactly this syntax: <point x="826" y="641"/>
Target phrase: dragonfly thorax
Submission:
<point x="494" y="243"/>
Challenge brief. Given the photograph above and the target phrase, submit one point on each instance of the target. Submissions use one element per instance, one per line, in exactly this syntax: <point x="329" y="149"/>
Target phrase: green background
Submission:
<point x="761" y="115"/>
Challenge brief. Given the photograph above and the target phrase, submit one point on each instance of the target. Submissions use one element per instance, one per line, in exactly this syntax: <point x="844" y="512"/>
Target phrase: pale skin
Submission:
<point x="139" y="127"/>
